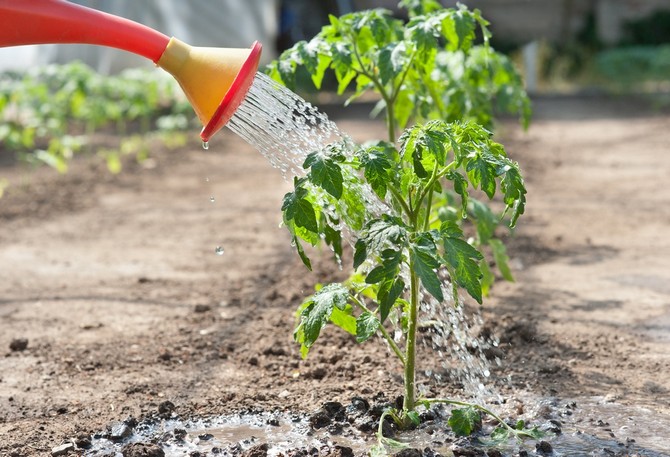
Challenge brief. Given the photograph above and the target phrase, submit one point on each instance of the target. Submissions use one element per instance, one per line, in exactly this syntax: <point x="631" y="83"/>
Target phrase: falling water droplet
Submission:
<point x="219" y="250"/>
<point x="205" y="145"/>
<point x="212" y="199"/>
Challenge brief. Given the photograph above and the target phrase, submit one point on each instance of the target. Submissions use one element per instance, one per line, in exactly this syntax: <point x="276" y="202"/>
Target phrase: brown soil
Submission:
<point x="115" y="285"/>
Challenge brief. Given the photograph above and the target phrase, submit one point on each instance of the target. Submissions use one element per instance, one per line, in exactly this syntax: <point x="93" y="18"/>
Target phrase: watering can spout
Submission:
<point x="215" y="80"/>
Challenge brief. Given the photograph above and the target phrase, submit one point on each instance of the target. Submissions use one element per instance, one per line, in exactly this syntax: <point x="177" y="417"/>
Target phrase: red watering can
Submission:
<point x="215" y="80"/>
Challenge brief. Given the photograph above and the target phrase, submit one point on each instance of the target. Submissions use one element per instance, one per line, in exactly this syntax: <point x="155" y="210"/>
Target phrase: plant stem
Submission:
<point x="409" y="400"/>
<point x="384" y="332"/>
<point x="471" y="405"/>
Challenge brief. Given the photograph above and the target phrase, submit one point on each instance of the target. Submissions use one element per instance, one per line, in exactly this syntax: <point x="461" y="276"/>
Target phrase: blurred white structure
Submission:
<point x="217" y="23"/>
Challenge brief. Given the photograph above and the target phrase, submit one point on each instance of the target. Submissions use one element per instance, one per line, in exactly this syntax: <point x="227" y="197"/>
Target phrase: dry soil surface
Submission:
<point x="113" y="301"/>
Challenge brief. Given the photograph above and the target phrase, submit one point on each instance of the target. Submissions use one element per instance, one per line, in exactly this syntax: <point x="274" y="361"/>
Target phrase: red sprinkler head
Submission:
<point x="235" y="94"/>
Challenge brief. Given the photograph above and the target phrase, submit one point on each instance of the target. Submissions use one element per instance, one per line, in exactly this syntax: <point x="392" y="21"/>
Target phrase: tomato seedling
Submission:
<point x="404" y="203"/>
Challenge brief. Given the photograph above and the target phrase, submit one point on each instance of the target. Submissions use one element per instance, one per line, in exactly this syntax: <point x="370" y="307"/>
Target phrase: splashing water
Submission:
<point x="285" y="128"/>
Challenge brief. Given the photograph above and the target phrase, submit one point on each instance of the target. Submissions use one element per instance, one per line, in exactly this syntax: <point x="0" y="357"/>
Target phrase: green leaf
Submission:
<point x="500" y="435"/>
<point x="360" y="252"/>
<point x="533" y="433"/>
<point x="464" y="422"/>
<point x="392" y="60"/>
<point x="319" y="309"/>
<point x="464" y="261"/>
<point x="423" y="254"/>
<point x="388" y="269"/>
<point x="482" y="174"/>
<point x="333" y="238"/>
<point x="366" y="326"/>
<point x="344" y="319"/>
<point x="414" y="417"/>
<point x="501" y="258"/>
<point x="389" y="291"/>
<point x="461" y="188"/>
<point x="376" y="172"/>
<point x="487" y="279"/>
<point x="301" y="252"/>
<point x="485" y="220"/>
<point x="325" y="173"/>
<point x="514" y="193"/>
<point x="298" y="209"/>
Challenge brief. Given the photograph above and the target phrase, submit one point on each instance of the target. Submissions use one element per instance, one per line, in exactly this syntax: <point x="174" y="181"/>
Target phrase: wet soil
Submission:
<point x="114" y="306"/>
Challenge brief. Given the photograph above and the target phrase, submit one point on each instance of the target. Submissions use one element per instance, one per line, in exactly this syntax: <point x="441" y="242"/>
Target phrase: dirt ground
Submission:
<point x="115" y="284"/>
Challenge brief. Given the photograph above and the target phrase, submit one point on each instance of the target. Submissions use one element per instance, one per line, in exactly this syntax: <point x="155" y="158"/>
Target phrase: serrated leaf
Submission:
<point x="461" y="188"/>
<point x="299" y="210"/>
<point x="333" y="238"/>
<point x="301" y="252"/>
<point x="464" y="261"/>
<point x="487" y="279"/>
<point x="482" y="174"/>
<point x="514" y="193"/>
<point x="319" y="309"/>
<point x="388" y="293"/>
<point x="501" y="258"/>
<point x="533" y="433"/>
<point x="414" y="417"/>
<point x="464" y="422"/>
<point x="485" y="220"/>
<point x="360" y="252"/>
<point x="425" y="261"/>
<point x="366" y="326"/>
<point x="388" y="268"/>
<point x="325" y="173"/>
<point x="344" y="319"/>
<point x="376" y="171"/>
<point x="500" y="435"/>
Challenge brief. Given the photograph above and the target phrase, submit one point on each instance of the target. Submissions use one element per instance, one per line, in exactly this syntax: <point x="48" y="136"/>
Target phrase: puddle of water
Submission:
<point x="589" y="427"/>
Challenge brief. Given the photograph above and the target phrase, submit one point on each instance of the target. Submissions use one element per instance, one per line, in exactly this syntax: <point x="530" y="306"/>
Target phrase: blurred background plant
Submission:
<point x="51" y="113"/>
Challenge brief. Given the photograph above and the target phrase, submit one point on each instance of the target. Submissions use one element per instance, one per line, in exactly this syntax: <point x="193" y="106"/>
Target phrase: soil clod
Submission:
<point x="18" y="344"/>
<point x="544" y="448"/>
<point x="260" y="450"/>
<point x="142" y="450"/>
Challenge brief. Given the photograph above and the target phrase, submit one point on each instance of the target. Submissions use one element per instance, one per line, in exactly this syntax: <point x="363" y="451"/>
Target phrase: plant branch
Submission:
<point x="383" y="331"/>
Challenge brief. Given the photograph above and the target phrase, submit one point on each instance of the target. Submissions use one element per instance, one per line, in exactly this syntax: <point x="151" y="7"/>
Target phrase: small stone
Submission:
<point x="165" y="408"/>
<point x="63" y="449"/>
<point x="409" y="452"/>
<point x="120" y="432"/>
<point x="260" y="450"/>
<point x="342" y="451"/>
<point x="83" y="441"/>
<point x="142" y="450"/>
<point x="18" y="344"/>
<point x="201" y="308"/>
<point x="544" y="448"/>
<point x="494" y="453"/>
<point x="319" y="420"/>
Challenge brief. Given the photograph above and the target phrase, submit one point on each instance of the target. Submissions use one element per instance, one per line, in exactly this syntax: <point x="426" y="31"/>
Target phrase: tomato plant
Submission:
<point x="404" y="202"/>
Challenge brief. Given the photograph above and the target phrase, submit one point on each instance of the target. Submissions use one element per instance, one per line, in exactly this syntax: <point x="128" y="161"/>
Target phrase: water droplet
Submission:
<point x="205" y="145"/>
<point x="206" y="179"/>
<point x="212" y="199"/>
<point x="219" y="250"/>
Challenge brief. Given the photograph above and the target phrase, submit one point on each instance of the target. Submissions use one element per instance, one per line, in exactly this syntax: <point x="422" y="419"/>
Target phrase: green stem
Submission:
<point x="399" y="198"/>
<point x="384" y="332"/>
<point x="390" y="123"/>
<point x="470" y="405"/>
<point x="409" y="401"/>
